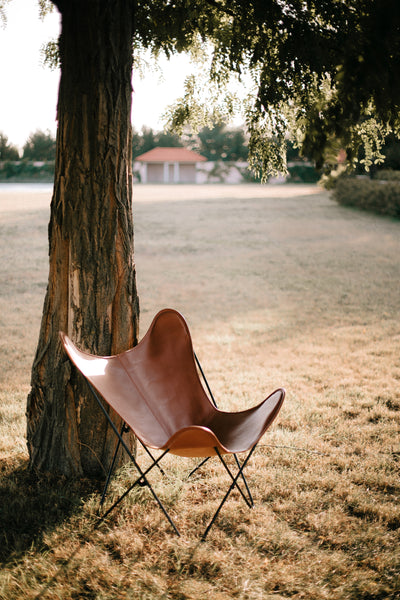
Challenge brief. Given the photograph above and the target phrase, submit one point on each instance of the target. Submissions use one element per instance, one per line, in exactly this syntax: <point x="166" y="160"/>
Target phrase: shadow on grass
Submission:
<point x="32" y="505"/>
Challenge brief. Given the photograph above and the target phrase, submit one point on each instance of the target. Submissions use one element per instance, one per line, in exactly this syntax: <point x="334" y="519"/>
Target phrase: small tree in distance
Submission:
<point x="148" y="139"/>
<point x="40" y="146"/>
<point x="7" y="150"/>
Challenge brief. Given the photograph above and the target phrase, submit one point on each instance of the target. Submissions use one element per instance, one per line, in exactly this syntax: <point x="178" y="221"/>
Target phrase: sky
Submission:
<point x="28" y="90"/>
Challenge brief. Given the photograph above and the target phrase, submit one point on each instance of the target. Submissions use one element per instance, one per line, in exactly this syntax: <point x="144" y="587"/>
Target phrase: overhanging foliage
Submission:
<point x="320" y="73"/>
<point x="323" y="72"/>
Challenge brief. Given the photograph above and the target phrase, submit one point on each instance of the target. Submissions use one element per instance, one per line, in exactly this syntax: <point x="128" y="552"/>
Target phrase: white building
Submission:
<point x="169" y="165"/>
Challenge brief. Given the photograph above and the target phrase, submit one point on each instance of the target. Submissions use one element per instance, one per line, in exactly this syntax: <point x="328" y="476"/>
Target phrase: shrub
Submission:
<point x="26" y="171"/>
<point x="381" y="197"/>
<point x="303" y="173"/>
<point x="10" y="169"/>
<point x="387" y="175"/>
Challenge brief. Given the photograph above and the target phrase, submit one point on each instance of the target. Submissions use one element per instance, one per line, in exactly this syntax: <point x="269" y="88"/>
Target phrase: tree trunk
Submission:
<point x="91" y="292"/>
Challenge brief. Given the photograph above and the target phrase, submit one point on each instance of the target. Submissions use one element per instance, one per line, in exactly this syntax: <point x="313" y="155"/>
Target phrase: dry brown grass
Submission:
<point x="280" y="286"/>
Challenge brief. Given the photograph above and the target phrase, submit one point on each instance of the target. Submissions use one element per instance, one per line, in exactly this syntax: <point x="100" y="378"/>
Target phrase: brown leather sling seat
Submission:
<point x="156" y="389"/>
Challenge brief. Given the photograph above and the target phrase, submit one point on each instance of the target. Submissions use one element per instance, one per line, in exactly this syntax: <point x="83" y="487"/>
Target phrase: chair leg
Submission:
<point x="205" y="380"/>
<point x="152" y="458"/>
<point x="124" y="428"/>
<point x="142" y="477"/>
<point x="248" y="500"/>
<point x="231" y="487"/>
<point x="244" y="480"/>
<point x="198" y="466"/>
<point x="215" y="404"/>
<point x="142" y="474"/>
<point x="226" y="467"/>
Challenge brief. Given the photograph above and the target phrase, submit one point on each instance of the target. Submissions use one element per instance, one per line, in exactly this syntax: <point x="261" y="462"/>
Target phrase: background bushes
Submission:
<point x="26" y="171"/>
<point x="387" y="175"/>
<point x="302" y="173"/>
<point x="379" y="196"/>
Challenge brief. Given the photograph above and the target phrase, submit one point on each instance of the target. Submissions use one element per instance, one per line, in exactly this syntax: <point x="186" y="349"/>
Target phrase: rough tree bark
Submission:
<point x="91" y="292"/>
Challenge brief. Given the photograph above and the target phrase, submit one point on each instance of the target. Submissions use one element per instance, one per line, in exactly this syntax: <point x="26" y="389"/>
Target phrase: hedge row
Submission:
<point x="26" y="171"/>
<point x="387" y="175"/>
<point x="302" y="173"/>
<point x="381" y="197"/>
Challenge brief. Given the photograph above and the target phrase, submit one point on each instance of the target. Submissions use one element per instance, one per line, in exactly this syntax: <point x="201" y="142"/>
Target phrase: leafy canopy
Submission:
<point x="322" y="73"/>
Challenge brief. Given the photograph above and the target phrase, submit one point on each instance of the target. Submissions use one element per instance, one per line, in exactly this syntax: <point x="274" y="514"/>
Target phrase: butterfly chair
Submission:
<point x="156" y="389"/>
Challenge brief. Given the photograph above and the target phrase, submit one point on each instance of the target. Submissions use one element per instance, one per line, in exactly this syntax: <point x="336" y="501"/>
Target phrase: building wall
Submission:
<point x="168" y="172"/>
<point x="155" y="173"/>
<point x="187" y="173"/>
<point x="203" y="172"/>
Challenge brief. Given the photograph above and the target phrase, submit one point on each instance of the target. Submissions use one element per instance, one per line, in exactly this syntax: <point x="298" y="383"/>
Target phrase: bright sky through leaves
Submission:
<point x="28" y="92"/>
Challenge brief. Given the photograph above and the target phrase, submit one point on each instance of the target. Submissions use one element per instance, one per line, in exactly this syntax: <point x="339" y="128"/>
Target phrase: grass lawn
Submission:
<point x="280" y="287"/>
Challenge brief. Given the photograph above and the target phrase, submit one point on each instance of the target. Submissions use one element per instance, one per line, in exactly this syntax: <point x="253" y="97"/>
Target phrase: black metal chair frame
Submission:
<point x="143" y="481"/>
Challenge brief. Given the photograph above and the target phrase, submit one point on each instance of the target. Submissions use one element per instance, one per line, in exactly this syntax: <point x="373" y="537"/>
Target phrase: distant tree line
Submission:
<point x="40" y="146"/>
<point x="36" y="163"/>
<point x="217" y="143"/>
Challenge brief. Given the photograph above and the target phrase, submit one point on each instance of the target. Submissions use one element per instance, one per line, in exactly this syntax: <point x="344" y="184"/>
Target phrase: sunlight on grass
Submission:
<point x="280" y="287"/>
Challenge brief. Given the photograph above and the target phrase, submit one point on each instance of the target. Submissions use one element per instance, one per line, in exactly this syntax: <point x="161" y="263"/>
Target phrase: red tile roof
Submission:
<point x="170" y="155"/>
